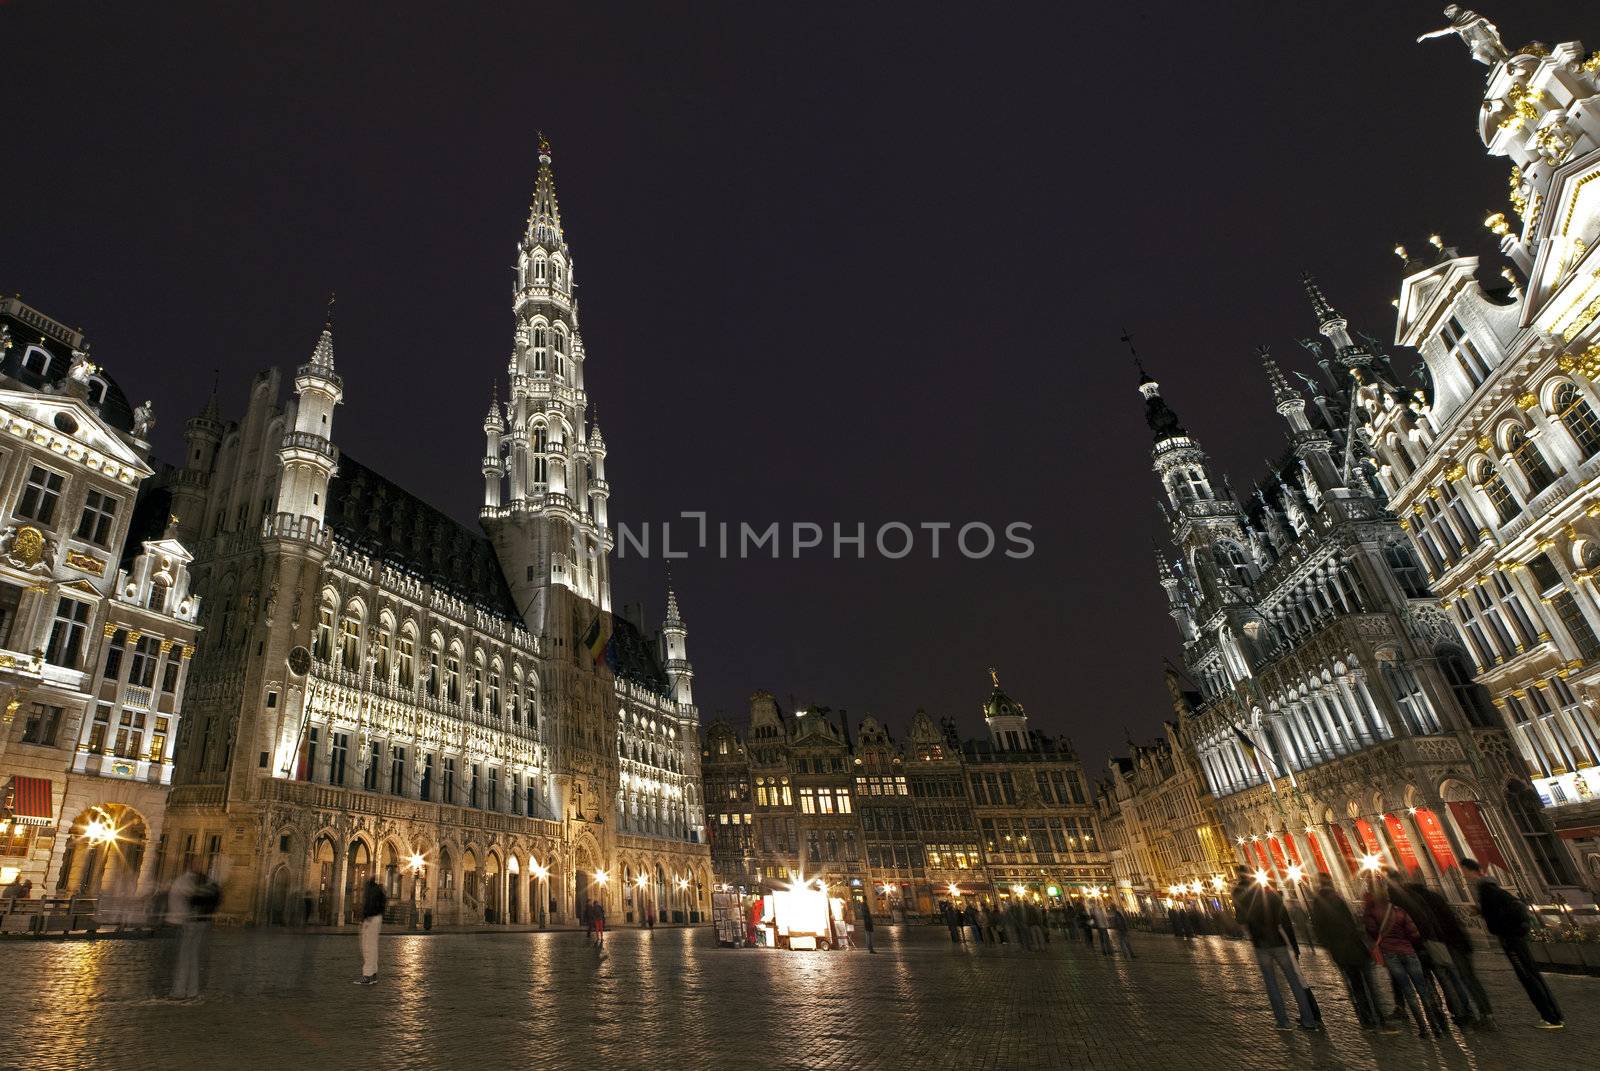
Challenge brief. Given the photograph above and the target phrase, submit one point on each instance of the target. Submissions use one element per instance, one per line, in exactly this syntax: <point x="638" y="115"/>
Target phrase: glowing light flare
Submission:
<point x="1262" y="877"/>
<point x="417" y="861"/>
<point x="100" y="831"/>
<point x="600" y="877"/>
<point x="955" y="890"/>
<point x="640" y="881"/>
<point x="683" y="883"/>
<point x="1296" y="873"/>
<point x="1371" y="863"/>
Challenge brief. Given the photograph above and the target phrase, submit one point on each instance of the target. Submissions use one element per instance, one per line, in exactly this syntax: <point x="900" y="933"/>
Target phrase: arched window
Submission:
<point x="1579" y="418"/>
<point x="540" y="266"/>
<point x="1398" y="459"/>
<point x="1493" y="485"/>
<point x="1232" y="564"/>
<point x="541" y="338"/>
<point x="1460" y="346"/>
<point x="1407" y="571"/>
<point x="37" y="360"/>
<point x="405" y="657"/>
<point x="1530" y="820"/>
<point x="350" y="637"/>
<point x="1528" y="458"/>
<point x="322" y="641"/>
<point x="1470" y="696"/>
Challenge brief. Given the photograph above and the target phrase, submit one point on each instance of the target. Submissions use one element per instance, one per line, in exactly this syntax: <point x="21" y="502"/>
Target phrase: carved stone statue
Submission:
<point x="144" y="419"/>
<point x="82" y="368"/>
<point x="1481" y="35"/>
<point x="270" y="605"/>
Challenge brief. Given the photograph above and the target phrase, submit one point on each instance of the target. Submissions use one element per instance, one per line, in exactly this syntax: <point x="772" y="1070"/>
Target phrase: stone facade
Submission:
<point x="383" y="691"/>
<point x="1494" y="465"/>
<point x="902" y="826"/>
<point x="97" y="622"/>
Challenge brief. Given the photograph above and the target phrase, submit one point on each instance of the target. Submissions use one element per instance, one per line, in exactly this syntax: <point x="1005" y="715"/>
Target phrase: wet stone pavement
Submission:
<point x="670" y="999"/>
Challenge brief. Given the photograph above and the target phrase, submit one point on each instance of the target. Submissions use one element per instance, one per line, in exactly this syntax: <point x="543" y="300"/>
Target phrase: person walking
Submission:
<point x="1395" y="938"/>
<point x="952" y="921"/>
<point x="373" y="901"/>
<point x="1086" y="924"/>
<point x="1036" y="934"/>
<point x="1260" y="910"/>
<point x="1442" y="936"/>
<point x="867" y="925"/>
<point x="1103" y="923"/>
<point x="970" y="917"/>
<point x="189" y="906"/>
<point x="597" y="920"/>
<point x="1507" y="918"/>
<point x="1345" y="941"/>
<point x="1180" y="923"/>
<point x="1119" y="923"/>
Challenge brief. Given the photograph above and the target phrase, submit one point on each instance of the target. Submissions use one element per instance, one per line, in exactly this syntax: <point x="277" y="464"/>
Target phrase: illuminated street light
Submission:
<point x="640" y="881"/>
<point x="1017" y="890"/>
<point x="100" y="832"/>
<point x="1219" y="882"/>
<point x="1296" y="873"/>
<point x="683" y="883"/>
<point x="541" y="872"/>
<point x="600" y="877"/>
<point x="954" y="889"/>
<point x="1371" y="863"/>
<point x="416" y="861"/>
<point x="1194" y="886"/>
<point x="1262" y="877"/>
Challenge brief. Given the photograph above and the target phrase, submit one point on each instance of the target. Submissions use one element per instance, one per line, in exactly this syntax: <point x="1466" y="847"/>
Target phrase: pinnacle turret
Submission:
<point x="544" y="213"/>
<point x="494" y="421"/>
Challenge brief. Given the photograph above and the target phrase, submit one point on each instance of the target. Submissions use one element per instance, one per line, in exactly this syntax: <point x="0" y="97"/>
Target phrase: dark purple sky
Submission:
<point x="835" y="264"/>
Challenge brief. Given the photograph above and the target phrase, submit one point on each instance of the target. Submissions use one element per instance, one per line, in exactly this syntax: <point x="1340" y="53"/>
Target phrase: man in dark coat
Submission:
<point x="1507" y="918"/>
<point x="1468" y="1003"/>
<point x="866" y="925"/>
<point x="1260" y="910"/>
<point x="1337" y="931"/>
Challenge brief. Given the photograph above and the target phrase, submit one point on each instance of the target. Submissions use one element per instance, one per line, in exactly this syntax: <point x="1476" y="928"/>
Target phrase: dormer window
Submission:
<point x="1456" y="342"/>
<point x="37" y="361"/>
<point x="97" y="391"/>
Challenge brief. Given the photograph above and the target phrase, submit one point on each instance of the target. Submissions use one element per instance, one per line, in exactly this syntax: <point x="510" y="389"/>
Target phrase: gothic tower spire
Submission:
<point x="544" y="477"/>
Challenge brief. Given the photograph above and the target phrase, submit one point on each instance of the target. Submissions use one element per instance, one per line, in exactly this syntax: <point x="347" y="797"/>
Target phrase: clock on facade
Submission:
<point x="299" y="661"/>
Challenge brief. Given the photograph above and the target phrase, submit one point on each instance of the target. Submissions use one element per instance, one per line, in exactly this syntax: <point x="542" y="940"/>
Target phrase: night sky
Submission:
<point x="834" y="265"/>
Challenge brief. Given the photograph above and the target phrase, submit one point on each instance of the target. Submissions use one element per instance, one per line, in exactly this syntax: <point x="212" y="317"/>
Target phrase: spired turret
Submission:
<point x="674" y="637"/>
<point x="308" y="457"/>
<point x="1007" y="721"/>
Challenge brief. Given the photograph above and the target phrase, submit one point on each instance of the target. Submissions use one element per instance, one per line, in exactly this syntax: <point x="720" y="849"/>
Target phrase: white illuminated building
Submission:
<point x="381" y="690"/>
<point x="1494" y="466"/>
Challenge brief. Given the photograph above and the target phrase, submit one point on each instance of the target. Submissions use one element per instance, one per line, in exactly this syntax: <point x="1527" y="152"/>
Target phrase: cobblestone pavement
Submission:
<point x="670" y="999"/>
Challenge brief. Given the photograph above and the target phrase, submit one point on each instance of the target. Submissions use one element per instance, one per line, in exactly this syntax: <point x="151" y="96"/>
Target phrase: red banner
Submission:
<point x="1288" y="846"/>
<point x="1475" y="831"/>
<point x="1262" y="861"/>
<point x="1402" y="843"/>
<point x="1316" y="853"/>
<point x="1277" y="854"/>
<point x="1369" y="838"/>
<point x="1345" y="850"/>
<point x="1433" y="834"/>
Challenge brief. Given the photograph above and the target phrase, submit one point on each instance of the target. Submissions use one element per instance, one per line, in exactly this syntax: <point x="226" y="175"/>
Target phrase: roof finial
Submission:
<point x="544" y="147"/>
<point x="327" y="324"/>
<point x="1319" y="301"/>
<point x="994" y="676"/>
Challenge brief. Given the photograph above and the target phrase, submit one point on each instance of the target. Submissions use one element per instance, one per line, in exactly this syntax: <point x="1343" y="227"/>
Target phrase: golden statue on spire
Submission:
<point x="994" y="676"/>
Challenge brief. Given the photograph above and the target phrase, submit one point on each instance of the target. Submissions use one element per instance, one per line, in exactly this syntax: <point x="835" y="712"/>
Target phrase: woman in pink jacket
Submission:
<point x="1395" y="938"/>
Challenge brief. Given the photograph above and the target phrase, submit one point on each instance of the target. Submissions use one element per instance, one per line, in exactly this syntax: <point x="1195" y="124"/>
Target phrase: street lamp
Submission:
<point x="542" y="872"/>
<point x="416" y="862"/>
<point x="1371" y="863"/>
<point x="1262" y="877"/>
<point x="1297" y="874"/>
<point x="100" y="832"/>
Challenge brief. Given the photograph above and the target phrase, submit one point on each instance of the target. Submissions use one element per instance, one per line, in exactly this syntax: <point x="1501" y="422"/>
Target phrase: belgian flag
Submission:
<point x="597" y="637"/>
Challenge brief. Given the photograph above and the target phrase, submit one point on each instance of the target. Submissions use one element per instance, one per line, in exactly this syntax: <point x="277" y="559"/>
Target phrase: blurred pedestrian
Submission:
<point x="373" y="901"/>
<point x="1345" y="941"/>
<point x="1119" y="923"/>
<point x="1395" y="938"/>
<point x="1036" y="935"/>
<point x="952" y="921"/>
<point x="1086" y="924"/>
<point x="867" y="926"/>
<point x="1507" y="918"/>
<point x="1103" y="923"/>
<point x="970" y="918"/>
<point x="1180" y="923"/>
<point x="1442" y="936"/>
<point x="1260" y="910"/>
<point x="190" y="904"/>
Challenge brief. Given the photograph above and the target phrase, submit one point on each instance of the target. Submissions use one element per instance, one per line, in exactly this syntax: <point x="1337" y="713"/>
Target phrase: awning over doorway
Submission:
<point x="30" y="801"/>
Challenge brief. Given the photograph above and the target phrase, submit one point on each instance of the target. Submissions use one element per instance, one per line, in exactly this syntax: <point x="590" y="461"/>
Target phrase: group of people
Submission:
<point x="1410" y="931"/>
<point x="1027" y="926"/>
<point x="21" y="889"/>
